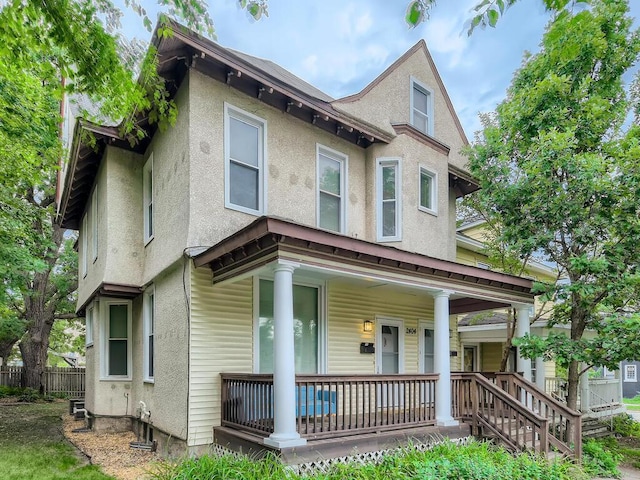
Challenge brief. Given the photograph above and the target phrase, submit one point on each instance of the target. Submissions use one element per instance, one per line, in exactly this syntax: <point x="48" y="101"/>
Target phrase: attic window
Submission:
<point x="421" y="107"/>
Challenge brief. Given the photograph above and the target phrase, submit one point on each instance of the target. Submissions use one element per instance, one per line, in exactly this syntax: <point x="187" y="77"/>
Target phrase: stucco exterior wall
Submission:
<point x="171" y="199"/>
<point x="166" y="396"/>
<point x="389" y="102"/>
<point x="291" y="184"/>
<point x="422" y="232"/>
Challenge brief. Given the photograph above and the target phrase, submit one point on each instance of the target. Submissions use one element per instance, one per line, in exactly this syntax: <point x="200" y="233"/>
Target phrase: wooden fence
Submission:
<point x="57" y="380"/>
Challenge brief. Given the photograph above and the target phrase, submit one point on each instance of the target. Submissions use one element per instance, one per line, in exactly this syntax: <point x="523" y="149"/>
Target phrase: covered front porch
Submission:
<point x="383" y="338"/>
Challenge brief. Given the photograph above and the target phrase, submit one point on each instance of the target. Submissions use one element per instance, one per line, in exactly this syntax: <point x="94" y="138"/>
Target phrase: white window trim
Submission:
<point x="634" y="378"/>
<point x="149" y="315"/>
<point x="147" y="172"/>
<point x="395" y="322"/>
<point x="434" y="190"/>
<point x="414" y="82"/>
<point x="322" y="326"/>
<point x="94" y="224"/>
<point x="104" y="344"/>
<point x="343" y="159"/>
<point x="85" y="246"/>
<point x="380" y="163"/>
<point x="89" y="320"/>
<point x="261" y="124"/>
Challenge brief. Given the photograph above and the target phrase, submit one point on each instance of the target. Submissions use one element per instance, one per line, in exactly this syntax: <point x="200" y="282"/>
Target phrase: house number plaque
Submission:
<point x="411" y="331"/>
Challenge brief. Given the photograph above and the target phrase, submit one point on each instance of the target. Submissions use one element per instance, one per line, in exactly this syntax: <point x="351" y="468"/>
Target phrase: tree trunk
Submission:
<point x="506" y="350"/>
<point x="572" y="386"/>
<point x="34" y="357"/>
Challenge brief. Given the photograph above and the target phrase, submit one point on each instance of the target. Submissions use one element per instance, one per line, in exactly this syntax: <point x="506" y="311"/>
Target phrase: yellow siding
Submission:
<point x="466" y="257"/>
<point x="490" y="356"/>
<point x="349" y="306"/>
<point x="221" y="332"/>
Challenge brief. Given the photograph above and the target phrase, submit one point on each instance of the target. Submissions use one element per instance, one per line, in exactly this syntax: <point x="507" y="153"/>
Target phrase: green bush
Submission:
<point x="600" y="458"/>
<point x="6" y="391"/>
<point x="473" y="461"/>
<point x="626" y="426"/>
<point x="29" y="395"/>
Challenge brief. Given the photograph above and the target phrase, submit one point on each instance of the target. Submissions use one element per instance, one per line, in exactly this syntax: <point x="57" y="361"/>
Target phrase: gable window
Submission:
<point x="245" y="152"/>
<point x="149" y="330"/>
<point x="117" y="340"/>
<point x="630" y="373"/>
<point x="331" y="189"/>
<point x="421" y="107"/>
<point x="89" y="320"/>
<point x="94" y="224"/>
<point x="85" y="245"/>
<point x="428" y="191"/>
<point x="389" y="195"/>
<point x="308" y="343"/>
<point x="147" y="185"/>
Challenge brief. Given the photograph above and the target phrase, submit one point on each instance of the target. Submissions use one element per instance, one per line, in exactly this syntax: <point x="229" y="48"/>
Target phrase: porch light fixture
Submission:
<point x="367" y="326"/>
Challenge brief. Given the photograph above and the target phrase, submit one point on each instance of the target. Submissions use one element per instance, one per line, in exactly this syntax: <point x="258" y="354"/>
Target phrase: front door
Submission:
<point x="470" y="359"/>
<point x="390" y="346"/>
<point x="389" y="359"/>
<point x="426" y="348"/>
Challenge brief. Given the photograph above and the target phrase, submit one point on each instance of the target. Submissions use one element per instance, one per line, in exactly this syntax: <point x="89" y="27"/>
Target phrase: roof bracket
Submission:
<point x="231" y="73"/>
<point x="291" y="103"/>
<point x="262" y="89"/>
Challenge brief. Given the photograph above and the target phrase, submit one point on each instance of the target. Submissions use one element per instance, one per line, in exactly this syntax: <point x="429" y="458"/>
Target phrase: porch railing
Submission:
<point x="494" y="411"/>
<point x="565" y="425"/>
<point x="330" y="405"/>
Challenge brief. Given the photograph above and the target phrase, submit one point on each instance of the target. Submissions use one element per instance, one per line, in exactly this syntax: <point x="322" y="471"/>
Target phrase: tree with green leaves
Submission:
<point x="49" y="50"/>
<point x="559" y="172"/>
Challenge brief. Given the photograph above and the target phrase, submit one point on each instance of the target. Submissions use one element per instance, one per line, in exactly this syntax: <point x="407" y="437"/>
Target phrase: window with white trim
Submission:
<point x="421" y="107"/>
<point x="84" y="232"/>
<point x="147" y="185"/>
<point x="94" y="224"/>
<point x="389" y="199"/>
<point x="332" y="183"/>
<point x="630" y="373"/>
<point x="428" y="191"/>
<point x="89" y="322"/>
<point x="116" y="335"/>
<point x="149" y="327"/>
<point x="245" y="153"/>
<point x="309" y="337"/>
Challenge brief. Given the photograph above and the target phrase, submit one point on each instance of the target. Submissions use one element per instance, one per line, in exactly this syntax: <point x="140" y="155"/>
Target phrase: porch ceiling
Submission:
<point x="268" y="239"/>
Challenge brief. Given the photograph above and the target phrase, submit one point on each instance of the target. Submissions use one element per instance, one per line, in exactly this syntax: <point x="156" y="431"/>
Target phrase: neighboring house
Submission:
<point x="630" y="378"/>
<point x="483" y="335"/>
<point x="279" y="267"/>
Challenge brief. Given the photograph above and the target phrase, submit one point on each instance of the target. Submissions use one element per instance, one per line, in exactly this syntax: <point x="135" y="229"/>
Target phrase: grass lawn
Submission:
<point x="33" y="446"/>
<point x="632" y="403"/>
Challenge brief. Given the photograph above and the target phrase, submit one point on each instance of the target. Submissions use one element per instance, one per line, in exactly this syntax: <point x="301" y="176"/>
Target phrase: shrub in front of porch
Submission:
<point x="472" y="461"/>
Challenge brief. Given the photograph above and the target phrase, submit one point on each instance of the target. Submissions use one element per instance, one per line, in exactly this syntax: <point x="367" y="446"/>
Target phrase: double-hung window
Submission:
<point x="89" y="321"/>
<point x="147" y="185"/>
<point x="149" y="312"/>
<point x="389" y="199"/>
<point x="428" y="191"/>
<point x="94" y="224"/>
<point x="630" y="373"/>
<point x="84" y="232"/>
<point x="117" y="340"/>
<point x="245" y="152"/>
<point x="331" y="189"/>
<point x="421" y="107"/>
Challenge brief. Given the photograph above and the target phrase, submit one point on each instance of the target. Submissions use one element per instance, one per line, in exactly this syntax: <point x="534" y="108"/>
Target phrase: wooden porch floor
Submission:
<point x="338" y="445"/>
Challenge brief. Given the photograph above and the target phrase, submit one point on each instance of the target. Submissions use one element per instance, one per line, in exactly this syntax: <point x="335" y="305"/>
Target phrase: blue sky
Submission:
<point x="341" y="45"/>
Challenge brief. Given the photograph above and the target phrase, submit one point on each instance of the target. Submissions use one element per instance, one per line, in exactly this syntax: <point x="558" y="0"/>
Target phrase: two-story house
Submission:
<point x="277" y="270"/>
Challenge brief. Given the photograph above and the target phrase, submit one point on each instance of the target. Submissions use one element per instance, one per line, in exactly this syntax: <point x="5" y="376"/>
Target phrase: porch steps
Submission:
<point x="594" y="428"/>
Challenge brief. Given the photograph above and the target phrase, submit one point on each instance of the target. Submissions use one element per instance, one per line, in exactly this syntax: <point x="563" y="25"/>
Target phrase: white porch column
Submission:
<point x="284" y="374"/>
<point x="441" y="360"/>
<point x="523" y="328"/>
<point x="540" y="374"/>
